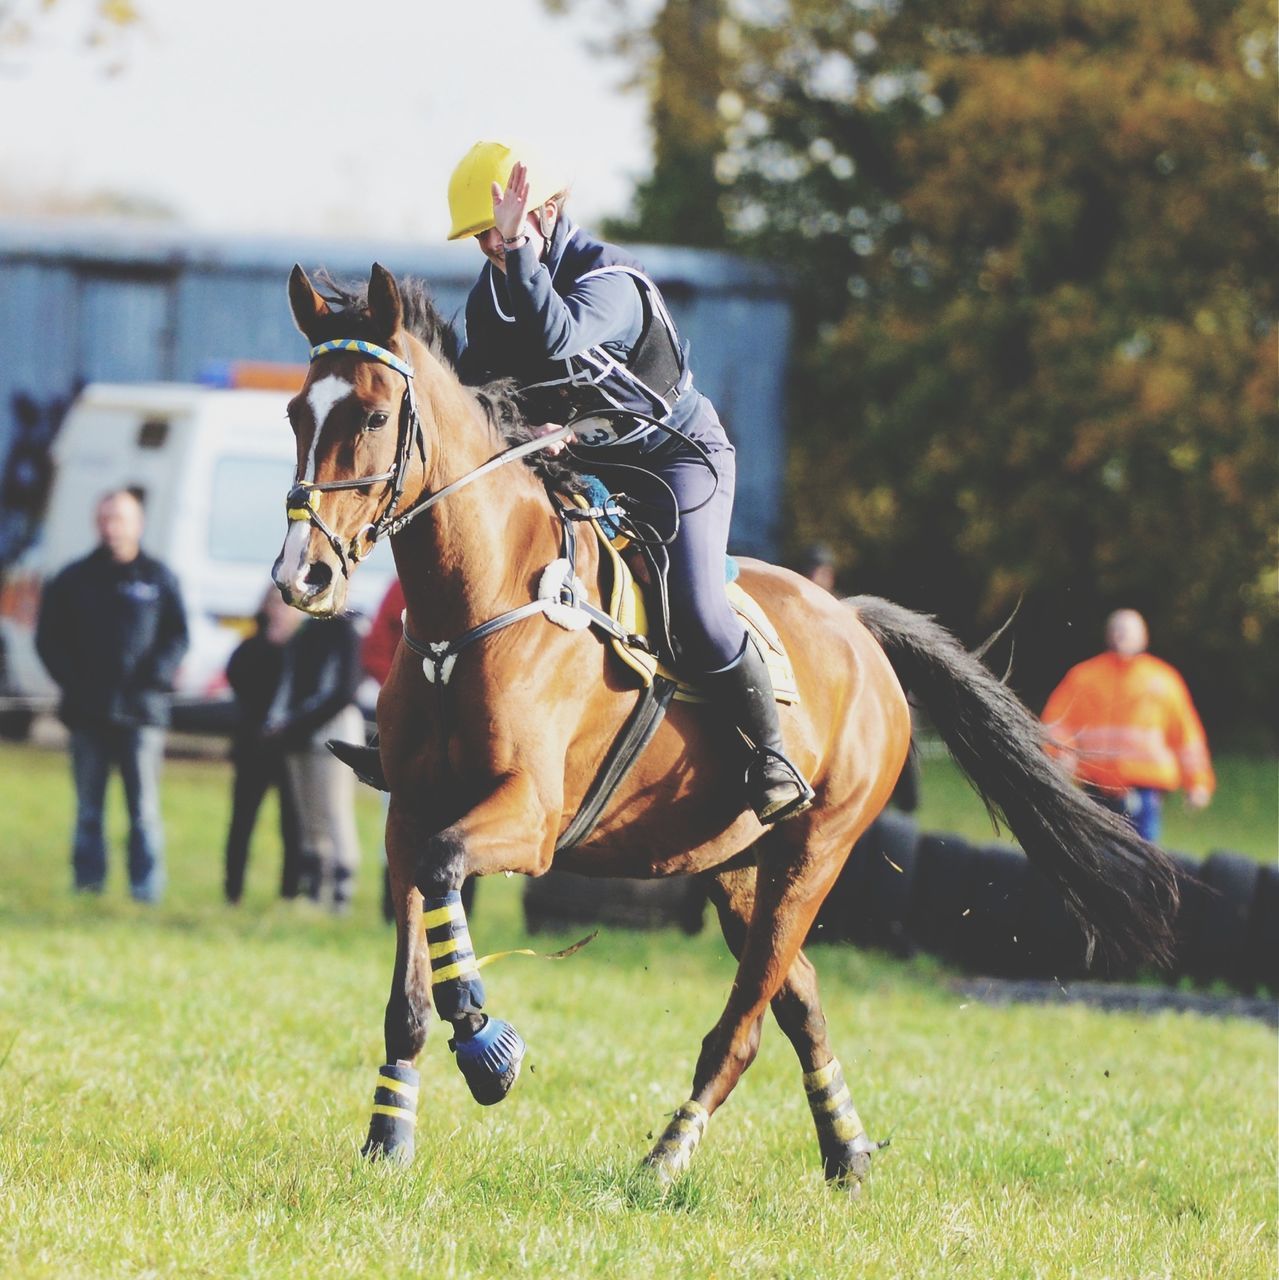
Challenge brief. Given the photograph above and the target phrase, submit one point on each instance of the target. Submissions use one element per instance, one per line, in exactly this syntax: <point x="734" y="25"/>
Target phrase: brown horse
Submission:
<point x="489" y="748"/>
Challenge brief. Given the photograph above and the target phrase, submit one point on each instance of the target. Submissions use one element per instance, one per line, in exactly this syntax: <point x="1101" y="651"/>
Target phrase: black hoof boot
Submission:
<point x="490" y="1060"/>
<point x="364" y="762"/>
<point x="394" y="1117"/>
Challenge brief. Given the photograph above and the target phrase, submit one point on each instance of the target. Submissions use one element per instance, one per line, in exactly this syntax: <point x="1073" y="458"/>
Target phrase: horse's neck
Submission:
<point x="475" y="553"/>
<point x="474" y="556"/>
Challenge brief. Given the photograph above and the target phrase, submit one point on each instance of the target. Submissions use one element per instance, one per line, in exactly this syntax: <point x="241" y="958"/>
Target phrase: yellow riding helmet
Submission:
<point x="471" y="186"/>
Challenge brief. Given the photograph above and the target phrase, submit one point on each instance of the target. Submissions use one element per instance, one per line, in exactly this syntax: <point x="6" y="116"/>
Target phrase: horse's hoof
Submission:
<point x="490" y="1060"/>
<point x="674" y="1150"/>
<point x="849" y="1168"/>
<point x="394" y="1115"/>
<point x="657" y="1172"/>
<point x="396" y="1149"/>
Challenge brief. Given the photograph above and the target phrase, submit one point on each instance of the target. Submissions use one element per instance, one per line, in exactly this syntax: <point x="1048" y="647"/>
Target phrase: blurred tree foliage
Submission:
<point x="94" y="27"/>
<point x="1033" y="248"/>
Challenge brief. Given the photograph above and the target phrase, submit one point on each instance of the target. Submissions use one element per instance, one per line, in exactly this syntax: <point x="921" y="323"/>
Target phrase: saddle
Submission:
<point x="627" y="605"/>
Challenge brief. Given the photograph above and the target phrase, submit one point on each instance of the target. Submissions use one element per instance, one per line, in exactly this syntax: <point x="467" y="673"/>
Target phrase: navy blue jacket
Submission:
<point x="584" y="328"/>
<point x="112" y="636"/>
<point x="319" y="676"/>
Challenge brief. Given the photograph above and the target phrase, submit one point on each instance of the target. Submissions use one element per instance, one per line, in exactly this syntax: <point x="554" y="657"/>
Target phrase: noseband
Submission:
<point x="300" y="502"/>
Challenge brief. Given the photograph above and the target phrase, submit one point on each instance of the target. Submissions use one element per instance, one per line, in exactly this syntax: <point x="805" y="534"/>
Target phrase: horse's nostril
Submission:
<point x="318" y="575"/>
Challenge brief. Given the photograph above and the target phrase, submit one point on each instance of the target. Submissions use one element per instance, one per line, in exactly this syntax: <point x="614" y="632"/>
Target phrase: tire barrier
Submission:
<point x="561" y="898"/>
<point x="870" y="901"/>
<point x="1221" y="942"/>
<point x="981" y="908"/>
<point x="1263" y="932"/>
<point x="986" y="910"/>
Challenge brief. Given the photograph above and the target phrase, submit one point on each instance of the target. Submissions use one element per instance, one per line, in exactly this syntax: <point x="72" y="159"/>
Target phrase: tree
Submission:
<point x="1033" y="251"/>
<point x="1058" y="383"/>
<point x="678" y="60"/>
<point x="97" y="26"/>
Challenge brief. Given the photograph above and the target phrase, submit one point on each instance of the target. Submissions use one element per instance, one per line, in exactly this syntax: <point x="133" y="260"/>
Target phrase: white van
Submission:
<point x="213" y="465"/>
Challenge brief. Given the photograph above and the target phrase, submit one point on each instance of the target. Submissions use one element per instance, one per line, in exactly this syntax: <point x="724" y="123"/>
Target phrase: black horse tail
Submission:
<point x="1122" y="889"/>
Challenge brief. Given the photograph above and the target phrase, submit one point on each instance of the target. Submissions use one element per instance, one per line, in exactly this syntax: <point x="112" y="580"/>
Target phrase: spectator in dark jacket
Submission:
<point x="112" y="632"/>
<point x="315" y="701"/>
<point x="254" y="676"/>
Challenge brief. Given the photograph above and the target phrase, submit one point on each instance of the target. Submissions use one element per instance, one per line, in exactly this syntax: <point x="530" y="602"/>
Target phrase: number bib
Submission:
<point x="597" y="432"/>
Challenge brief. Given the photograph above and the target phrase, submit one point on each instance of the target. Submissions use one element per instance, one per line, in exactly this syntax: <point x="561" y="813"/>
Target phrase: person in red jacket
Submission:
<point x="1125" y="725"/>
<point x="376" y="655"/>
<point x="378" y="650"/>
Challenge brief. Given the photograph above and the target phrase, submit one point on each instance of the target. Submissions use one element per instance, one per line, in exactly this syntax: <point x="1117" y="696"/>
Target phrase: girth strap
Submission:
<point x="625" y="751"/>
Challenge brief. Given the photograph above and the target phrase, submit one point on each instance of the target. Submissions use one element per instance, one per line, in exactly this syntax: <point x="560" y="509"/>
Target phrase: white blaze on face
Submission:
<point x="293" y="559"/>
<point x="322" y="397"/>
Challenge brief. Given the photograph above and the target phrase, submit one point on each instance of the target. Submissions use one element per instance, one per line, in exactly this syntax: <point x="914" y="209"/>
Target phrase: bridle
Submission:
<point x="300" y="503"/>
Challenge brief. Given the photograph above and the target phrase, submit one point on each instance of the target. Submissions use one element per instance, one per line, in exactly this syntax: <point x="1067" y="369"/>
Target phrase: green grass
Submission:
<point x="183" y="1092"/>
<point x="1243" y="816"/>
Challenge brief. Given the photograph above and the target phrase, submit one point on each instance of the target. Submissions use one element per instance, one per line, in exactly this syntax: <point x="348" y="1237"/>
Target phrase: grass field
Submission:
<point x="183" y="1092"/>
<point x="1243" y="816"/>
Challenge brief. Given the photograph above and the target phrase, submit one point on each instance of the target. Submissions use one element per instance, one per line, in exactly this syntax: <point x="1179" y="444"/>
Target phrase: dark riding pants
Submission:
<point x="705" y="626"/>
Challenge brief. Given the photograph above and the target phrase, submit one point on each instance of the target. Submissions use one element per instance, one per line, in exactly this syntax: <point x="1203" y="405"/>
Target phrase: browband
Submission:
<point x="370" y="349"/>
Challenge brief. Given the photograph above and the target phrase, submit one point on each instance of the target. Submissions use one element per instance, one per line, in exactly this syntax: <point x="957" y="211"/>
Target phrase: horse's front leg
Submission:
<point x="408" y="1015"/>
<point x="512" y="829"/>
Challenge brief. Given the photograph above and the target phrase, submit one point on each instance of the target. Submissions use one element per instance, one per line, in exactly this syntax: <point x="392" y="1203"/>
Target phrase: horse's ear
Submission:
<point x="307" y="305"/>
<point x="384" y="301"/>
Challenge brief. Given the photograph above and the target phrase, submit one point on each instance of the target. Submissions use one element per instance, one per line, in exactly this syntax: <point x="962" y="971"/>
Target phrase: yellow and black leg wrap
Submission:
<point x="487" y="1050"/>
<point x="674" y="1149"/>
<point x="455" y="977"/>
<point x="845" y="1148"/>
<point x="394" y="1114"/>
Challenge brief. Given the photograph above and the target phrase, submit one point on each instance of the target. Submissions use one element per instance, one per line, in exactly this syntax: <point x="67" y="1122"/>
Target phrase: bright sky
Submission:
<point x="314" y="116"/>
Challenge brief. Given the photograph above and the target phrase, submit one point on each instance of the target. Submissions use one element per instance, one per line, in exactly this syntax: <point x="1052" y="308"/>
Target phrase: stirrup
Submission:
<point x="364" y="762"/>
<point x="757" y="785"/>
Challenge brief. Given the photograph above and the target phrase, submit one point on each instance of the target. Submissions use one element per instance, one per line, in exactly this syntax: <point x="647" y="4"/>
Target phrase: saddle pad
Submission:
<point x="627" y="608"/>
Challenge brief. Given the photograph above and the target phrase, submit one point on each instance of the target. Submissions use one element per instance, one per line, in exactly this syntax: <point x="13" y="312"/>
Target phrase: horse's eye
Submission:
<point x="377" y="421"/>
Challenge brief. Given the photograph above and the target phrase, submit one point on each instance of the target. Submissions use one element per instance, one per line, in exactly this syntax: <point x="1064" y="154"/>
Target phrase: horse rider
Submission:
<point x="580" y="326"/>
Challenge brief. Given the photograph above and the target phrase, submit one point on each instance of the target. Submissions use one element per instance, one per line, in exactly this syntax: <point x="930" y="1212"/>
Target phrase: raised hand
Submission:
<point x="511" y="206"/>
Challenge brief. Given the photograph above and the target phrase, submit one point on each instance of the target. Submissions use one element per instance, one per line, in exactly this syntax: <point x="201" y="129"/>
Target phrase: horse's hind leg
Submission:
<point x="845" y="1148"/>
<point x="408" y="1015"/>
<point x="765" y="915"/>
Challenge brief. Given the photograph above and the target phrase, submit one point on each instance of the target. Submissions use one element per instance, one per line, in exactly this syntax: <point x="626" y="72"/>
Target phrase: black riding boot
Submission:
<point x="365" y="762"/>
<point x="744" y="692"/>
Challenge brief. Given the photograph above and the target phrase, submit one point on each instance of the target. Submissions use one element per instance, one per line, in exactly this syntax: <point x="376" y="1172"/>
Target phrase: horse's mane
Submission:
<point x="499" y="400"/>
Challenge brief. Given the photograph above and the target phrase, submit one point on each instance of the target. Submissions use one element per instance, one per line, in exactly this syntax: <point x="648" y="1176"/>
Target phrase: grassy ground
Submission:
<point x="1243" y="816"/>
<point x="183" y="1092"/>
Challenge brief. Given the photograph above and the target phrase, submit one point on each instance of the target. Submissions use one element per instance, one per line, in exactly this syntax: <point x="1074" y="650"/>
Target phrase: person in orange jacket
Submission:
<point x="1124" y="723"/>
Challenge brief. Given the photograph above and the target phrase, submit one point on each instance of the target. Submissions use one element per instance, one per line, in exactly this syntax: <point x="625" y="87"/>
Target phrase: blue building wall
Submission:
<point x="84" y="302"/>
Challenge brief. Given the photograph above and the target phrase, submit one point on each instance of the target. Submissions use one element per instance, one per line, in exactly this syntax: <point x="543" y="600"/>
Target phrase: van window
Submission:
<point x="246" y="520"/>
